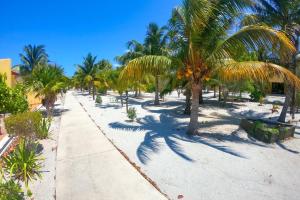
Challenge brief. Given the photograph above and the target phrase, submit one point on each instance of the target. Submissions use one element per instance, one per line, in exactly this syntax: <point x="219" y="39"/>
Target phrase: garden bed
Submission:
<point x="268" y="132"/>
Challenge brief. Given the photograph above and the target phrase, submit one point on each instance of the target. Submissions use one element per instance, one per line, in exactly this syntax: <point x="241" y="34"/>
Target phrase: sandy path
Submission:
<point x="89" y="166"/>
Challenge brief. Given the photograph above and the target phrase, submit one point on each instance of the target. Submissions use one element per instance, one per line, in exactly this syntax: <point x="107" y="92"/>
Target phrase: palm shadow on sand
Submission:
<point x="172" y="133"/>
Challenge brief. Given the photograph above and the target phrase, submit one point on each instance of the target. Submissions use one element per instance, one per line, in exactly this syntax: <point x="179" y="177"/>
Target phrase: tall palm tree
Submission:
<point x="209" y="50"/>
<point x="89" y="68"/>
<point x="134" y="50"/>
<point x="47" y="81"/>
<point x="154" y="44"/>
<point x="32" y="57"/>
<point x="285" y="16"/>
<point x="156" y="40"/>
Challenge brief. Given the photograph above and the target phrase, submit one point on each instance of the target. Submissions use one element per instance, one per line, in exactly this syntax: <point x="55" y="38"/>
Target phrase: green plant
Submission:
<point x="26" y="125"/>
<point x="98" y="99"/>
<point x="264" y="127"/>
<point x="257" y="94"/>
<point x="44" y="128"/>
<point x="261" y="101"/>
<point x="47" y="81"/>
<point x="12" y="100"/>
<point x="131" y="114"/>
<point x="10" y="190"/>
<point x="24" y="163"/>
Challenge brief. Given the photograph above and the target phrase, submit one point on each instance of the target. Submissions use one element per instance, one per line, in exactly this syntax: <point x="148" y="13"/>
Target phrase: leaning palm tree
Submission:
<point x="285" y="16"/>
<point x="209" y="50"/>
<point x="47" y="81"/>
<point x="150" y="64"/>
<point x="32" y="57"/>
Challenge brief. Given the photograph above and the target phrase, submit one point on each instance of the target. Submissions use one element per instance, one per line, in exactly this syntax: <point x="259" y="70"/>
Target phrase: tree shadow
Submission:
<point x="56" y="112"/>
<point x="168" y="131"/>
<point x="108" y="105"/>
<point x="286" y="148"/>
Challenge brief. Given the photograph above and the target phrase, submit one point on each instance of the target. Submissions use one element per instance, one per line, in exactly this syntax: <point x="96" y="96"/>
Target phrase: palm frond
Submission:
<point x="155" y="65"/>
<point x="255" y="70"/>
<point x="251" y="38"/>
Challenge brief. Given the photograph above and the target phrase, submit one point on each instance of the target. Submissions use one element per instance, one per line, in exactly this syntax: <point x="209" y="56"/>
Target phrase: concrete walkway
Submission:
<point x="88" y="165"/>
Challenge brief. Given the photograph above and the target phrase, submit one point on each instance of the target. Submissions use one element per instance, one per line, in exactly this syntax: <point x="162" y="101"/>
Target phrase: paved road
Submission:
<point x="88" y="165"/>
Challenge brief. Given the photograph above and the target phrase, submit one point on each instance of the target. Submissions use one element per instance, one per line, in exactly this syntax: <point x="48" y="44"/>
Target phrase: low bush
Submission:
<point x="12" y="100"/>
<point x="98" y="99"/>
<point x="24" y="163"/>
<point x="25" y="125"/>
<point x="10" y="190"/>
<point x="131" y="114"/>
<point x="44" y="128"/>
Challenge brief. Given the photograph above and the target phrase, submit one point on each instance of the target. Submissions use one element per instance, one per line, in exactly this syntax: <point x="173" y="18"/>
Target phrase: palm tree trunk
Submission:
<point x="286" y="105"/>
<point x="136" y="93"/>
<point x="220" y="93"/>
<point x="215" y="91"/>
<point x="121" y="97"/>
<point x="94" y="89"/>
<point x="201" y="96"/>
<point x="126" y="101"/>
<point x="293" y="103"/>
<point x="188" y="94"/>
<point x="193" y="125"/>
<point x="156" y="101"/>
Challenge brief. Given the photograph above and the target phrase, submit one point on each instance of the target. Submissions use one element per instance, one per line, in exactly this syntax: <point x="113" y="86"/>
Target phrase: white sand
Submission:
<point x="221" y="164"/>
<point x="44" y="189"/>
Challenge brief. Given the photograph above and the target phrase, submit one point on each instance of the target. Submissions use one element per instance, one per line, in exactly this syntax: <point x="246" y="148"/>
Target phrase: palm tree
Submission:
<point x="32" y="57"/>
<point x="156" y="40"/>
<point x="204" y="26"/>
<point x="89" y="69"/>
<point x="102" y="79"/>
<point x="155" y="44"/>
<point x="134" y="50"/>
<point x="285" y="16"/>
<point x="47" y="81"/>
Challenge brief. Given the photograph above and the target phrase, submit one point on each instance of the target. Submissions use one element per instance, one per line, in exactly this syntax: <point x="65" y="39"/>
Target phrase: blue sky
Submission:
<point x="71" y="29"/>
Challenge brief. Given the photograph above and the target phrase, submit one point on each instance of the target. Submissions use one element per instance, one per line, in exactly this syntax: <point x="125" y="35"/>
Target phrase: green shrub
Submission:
<point x="12" y="100"/>
<point x="26" y="125"/>
<point x="24" y="163"/>
<point x="44" y="128"/>
<point x="11" y="190"/>
<point x="98" y="99"/>
<point x="266" y="128"/>
<point x="19" y="101"/>
<point x="131" y="114"/>
<point x="102" y="90"/>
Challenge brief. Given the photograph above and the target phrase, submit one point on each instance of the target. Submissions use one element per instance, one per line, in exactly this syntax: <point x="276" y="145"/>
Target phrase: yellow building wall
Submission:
<point x="5" y="68"/>
<point x="33" y="101"/>
<point x="11" y="81"/>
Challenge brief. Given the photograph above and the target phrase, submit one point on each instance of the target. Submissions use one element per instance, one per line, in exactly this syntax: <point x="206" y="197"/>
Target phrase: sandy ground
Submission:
<point x="222" y="163"/>
<point x="44" y="189"/>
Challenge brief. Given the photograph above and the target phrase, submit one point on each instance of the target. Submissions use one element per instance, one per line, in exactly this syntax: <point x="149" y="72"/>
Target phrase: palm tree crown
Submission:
<point x="32" y="57"/>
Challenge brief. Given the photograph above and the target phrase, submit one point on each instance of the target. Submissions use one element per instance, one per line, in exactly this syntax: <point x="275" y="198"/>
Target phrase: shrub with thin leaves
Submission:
<point x="24" y="163"/>
<point x="11" y="190"/>
<point x="26" y="125"/>
<point x="131" y="114"/>
<point x="98" y="99"/>
<point x="44" y="128"/>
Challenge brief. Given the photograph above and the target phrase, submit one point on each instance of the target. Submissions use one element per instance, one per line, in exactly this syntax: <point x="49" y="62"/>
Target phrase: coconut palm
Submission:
<point x="209" y="50"/>
<point x="156" y="40"/>
<point x="134" y="50"/>
<point x="32" y="57"/>
<point x="285" y="16"/>
<point x="89" y="68"/>
<point x="47" y="81"/>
